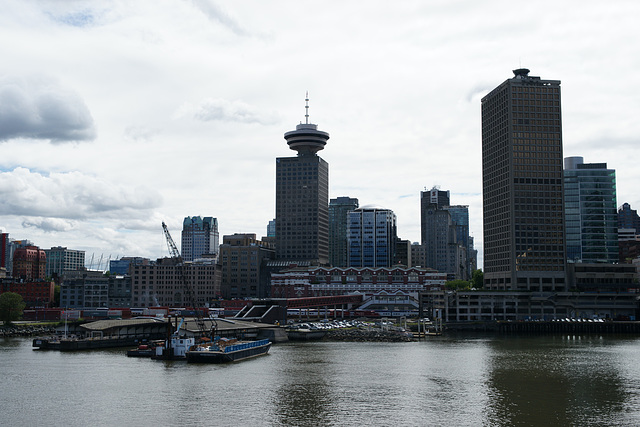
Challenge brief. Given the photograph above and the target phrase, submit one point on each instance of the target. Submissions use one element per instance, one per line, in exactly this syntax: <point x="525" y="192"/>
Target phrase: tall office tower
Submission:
<point x="591" y="215"/>
<point x="438" y="233"/>
<point x="371" y="236"/>
<point x="338" y="210"/>
<point x="271" y="228"/>
<point x="199" y="237"/>
<point x="628" y="218"/>
<point x="302" y="197"/>
<point x="460" y="219"/>
<point x="435" y="197"/>
<point x="61" y="259"/>
<point x="524" y="244"/>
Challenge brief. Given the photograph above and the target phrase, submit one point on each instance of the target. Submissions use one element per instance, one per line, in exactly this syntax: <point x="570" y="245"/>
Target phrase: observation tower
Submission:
<point x="306" y="139"/>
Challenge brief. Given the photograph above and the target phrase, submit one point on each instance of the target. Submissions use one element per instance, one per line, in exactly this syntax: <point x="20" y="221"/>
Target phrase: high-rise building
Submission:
<point x="524" y="241"/>
<point x="302" y="197"/>
<point x="628" y="218"/>
<point x="61" y="259"/>
<point x="29" y="263"/>
<point x="243" y="259"/>
<point x="338" y="210"/>
<point x="271" y="228"/>
<point x="591" y="215"/>
<point x="444" y="249"/>
<point x="439" y="239"/>
<point x="436" y="197"/>
<point x="460" y="219"/>
<point x="199" y="237"/>
<point x="372" y="236"/>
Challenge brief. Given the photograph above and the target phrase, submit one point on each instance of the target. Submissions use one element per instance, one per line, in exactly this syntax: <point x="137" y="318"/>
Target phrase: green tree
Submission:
<point x="11" y="306"/>
<point x="457" y="285"/>
<point x="477" y="279"/>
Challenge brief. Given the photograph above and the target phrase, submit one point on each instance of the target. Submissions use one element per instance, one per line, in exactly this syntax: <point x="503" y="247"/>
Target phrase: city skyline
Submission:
<point x="115" y="117"/>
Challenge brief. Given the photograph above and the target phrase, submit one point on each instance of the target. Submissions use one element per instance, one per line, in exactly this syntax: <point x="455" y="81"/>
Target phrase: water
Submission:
<point x="445" y="381"/>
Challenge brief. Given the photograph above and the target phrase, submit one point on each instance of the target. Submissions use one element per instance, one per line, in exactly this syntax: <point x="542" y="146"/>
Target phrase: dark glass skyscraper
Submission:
<point x="590" y="212"/>
<point x="302" y="197"/>
<point x="338" y="210"/>
<point x="522" y="179"/>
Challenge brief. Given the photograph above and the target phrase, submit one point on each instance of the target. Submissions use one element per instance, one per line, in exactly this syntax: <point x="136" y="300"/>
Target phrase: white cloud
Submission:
<point x="37" y="107"/>
<point x="49" y="224"/>
<point x="218" y="15"/>
<point x="71" y="196"/>
<point x="227" y="111"/>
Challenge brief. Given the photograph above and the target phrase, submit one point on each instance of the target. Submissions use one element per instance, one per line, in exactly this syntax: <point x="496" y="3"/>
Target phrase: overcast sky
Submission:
<point x="118" y="115"/>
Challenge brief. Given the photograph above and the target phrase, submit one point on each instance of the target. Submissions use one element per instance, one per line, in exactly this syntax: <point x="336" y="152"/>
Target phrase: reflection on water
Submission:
<point x="304" y="392"/>
<point x="559" y="380"/>
<point x="457" y="381"/>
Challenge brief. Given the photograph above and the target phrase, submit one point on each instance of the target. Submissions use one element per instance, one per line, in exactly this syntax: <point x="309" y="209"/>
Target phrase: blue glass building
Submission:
<point x="591" y="215"/>
<point x="371" y="236"/>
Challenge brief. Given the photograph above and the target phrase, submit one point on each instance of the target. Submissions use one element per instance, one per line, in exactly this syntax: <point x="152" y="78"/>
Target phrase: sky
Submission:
<point x="117" y="115"/>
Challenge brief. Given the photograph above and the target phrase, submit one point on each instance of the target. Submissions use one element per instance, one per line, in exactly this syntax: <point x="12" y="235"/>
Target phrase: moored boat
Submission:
<point x="145" y="349"/>
<point x="305" y="334"/>
<point x="227" y="350"/>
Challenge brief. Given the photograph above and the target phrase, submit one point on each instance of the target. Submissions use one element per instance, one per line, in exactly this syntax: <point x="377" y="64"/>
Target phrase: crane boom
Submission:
<point x="188" y="289"/>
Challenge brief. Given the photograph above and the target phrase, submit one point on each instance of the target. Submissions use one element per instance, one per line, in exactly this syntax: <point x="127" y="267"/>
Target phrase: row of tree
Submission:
<point x="476" y="282"/>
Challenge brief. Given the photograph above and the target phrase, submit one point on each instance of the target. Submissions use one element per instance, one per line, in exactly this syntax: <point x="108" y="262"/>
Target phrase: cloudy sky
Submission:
<point x="118" y="115"/>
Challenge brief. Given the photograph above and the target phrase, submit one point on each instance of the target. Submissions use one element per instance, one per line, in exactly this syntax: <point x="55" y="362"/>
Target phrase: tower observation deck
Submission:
<point x="306" y="139"/>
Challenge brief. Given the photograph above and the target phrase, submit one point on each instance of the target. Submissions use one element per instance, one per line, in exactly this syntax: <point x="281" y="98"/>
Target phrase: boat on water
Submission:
<point x="225" y="350"/>
<point x="174" y="348"/>
<point x="145" y="349"/>
<point x="305" y="334"/>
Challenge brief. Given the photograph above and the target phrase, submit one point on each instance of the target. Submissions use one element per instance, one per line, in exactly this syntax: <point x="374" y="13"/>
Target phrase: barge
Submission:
<point x="227" y="350"/>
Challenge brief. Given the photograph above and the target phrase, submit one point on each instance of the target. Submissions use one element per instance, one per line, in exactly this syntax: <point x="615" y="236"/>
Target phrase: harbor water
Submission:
<point x="559" y="380"/>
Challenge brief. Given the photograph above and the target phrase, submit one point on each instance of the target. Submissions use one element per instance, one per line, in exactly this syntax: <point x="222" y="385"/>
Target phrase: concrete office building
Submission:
<point x="302" y="197"/>
<point x="591" y="215"/>
<point x="199" y="237"/>
<point x="439" y="235"/>
<point x="160" y="283"/>
<point x="61" y="259"/>
<point x="524" y="241"/>
<point x="242" y="259"/>
<point x="338" y="211"/>
<point x="371" y="236"/>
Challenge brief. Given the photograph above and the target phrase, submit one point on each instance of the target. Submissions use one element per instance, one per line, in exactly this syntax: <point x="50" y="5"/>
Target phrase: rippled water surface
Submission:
<point x="446" y="381"/>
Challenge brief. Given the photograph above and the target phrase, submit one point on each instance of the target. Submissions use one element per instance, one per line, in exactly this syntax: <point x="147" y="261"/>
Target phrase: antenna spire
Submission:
<point x="306" y="109"/>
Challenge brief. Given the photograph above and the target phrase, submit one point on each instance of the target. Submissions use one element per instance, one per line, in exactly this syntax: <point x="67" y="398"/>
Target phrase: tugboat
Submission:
<point x="224" y="350"/>
<point x="174" y="347"/>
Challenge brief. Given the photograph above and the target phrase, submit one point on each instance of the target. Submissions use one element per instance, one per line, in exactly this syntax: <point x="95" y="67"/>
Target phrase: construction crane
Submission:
<point x="184" y="278"/>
